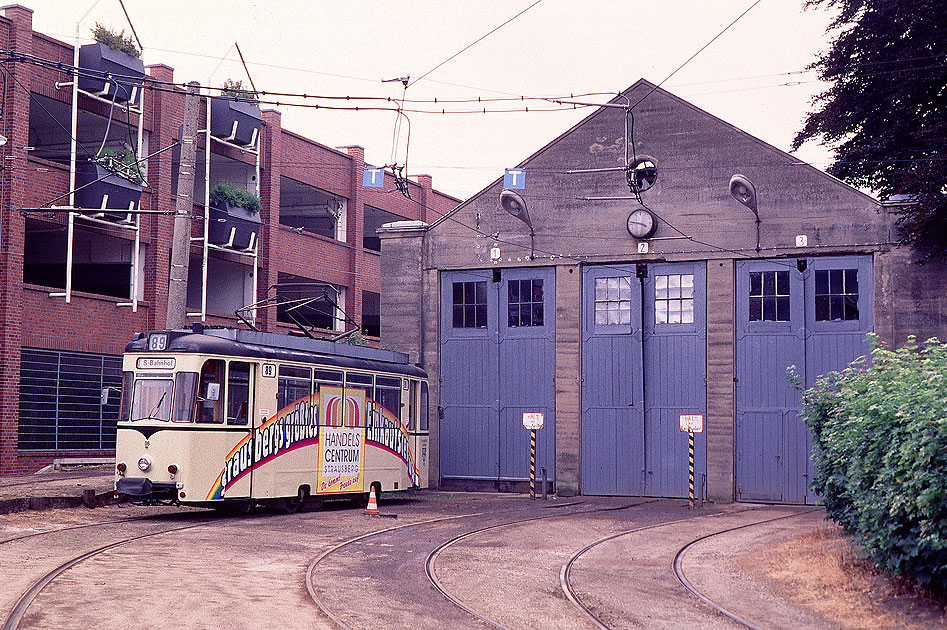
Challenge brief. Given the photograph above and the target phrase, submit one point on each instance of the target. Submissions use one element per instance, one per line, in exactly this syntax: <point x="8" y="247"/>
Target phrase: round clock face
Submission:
<point x="641" y="223"/>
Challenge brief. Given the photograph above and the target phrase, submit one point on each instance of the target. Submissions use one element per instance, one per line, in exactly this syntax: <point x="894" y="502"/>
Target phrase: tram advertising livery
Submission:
<point x="221" y="417"/>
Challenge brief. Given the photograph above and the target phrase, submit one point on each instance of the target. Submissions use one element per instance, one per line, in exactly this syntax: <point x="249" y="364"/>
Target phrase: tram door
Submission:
<point x="643" y="366"/>
<point x="418" y="427"/>
<point x="497" y="362"/>
<point x="239" y="418"/>
<point x="812" y="314"/>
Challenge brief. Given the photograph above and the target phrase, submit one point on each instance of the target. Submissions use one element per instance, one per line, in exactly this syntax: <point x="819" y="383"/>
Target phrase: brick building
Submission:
<point x="314" y="257"/>
<point x="615" y="316"/>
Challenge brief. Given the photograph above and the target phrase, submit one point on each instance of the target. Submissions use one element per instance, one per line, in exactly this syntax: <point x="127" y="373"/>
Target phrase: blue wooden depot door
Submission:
<point x="643" y="365"/>
<point x="813" y="316"/>
<point x="497" y="361"/>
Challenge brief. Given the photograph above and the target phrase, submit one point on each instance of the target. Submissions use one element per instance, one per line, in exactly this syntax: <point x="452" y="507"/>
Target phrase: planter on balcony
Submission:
<point x="227" y="219"/>
<point x="114" y="195"/>
<point x="235" y="120"/>
<point x="127" y="72"/>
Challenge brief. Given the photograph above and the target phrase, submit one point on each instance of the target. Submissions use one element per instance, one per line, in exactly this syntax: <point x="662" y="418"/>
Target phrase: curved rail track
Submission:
<point x="13" y="619"/>
<point x="572" y="596"/>
<point x="114" y="521"/>
<point x="431" y="559"/>
<point x="679" y="571"/>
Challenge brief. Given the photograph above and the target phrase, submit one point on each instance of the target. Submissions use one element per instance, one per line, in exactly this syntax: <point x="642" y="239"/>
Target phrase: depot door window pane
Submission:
<point x="469" y="304"/>
<point x="674" y="299"/>
<point x="769" y="296"/>
<point x="836" y="295"/>
<point x="613" y="301"/>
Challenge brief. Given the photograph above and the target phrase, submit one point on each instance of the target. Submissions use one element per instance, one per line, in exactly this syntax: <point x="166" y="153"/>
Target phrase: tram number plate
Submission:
<point x="533" y="420"/>
<point x="692" y="423"/>
<point x="269" y="370"/>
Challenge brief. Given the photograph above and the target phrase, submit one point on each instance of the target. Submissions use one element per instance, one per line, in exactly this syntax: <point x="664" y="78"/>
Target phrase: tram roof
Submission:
<point x="275" y="347"/>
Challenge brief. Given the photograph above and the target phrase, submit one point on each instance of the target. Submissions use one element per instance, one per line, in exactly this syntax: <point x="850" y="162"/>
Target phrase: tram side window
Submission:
<point x="389" y="394"/>
<point x="210" y="392"/>
<point x="327" y="377"/>
<point x="363" y="382"/>
<point x="294" y="384"/>
<point x="424" y="410"/>
<point x="185" y="396"/>
<point x="128" y="381"/>
<point x="238" y="393"/>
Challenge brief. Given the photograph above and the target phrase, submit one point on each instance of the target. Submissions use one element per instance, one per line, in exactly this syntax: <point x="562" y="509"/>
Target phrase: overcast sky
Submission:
<point x="754" y="76"/>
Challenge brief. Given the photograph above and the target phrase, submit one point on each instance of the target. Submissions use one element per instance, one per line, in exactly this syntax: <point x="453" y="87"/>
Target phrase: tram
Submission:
<point x="226" y="418"/>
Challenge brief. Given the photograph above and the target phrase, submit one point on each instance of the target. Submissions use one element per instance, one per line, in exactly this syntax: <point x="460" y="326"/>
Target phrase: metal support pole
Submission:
<point x="690" y="467"/>
<point x="532" y="464"/>
<point x="543" y="469"/>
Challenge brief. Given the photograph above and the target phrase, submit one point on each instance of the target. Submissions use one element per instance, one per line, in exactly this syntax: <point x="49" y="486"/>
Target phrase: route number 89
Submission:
<point x="157" y="343"/>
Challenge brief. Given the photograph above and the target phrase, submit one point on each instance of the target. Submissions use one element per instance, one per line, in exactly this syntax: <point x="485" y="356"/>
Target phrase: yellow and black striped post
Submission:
<point x="532" y="464"/>
<point x="690" y="467"/>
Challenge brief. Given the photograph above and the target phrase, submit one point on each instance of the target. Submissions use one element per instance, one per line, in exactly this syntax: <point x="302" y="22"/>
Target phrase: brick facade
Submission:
<point x="92" y="323"/>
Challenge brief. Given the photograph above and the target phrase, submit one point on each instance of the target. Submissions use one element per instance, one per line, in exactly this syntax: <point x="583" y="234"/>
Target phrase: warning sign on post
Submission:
<point x="533" y="420"/>
<point x="692" y="423"/>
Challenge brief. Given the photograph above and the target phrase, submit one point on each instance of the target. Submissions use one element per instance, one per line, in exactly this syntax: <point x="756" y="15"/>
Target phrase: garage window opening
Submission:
<point x="836" y="295"/>
<point x="613" y="301"/>
<point x="769" y="296"/>
<point x="674" y="299"/>
<point x="470" y="304"/>
<point x="525" y="302"/>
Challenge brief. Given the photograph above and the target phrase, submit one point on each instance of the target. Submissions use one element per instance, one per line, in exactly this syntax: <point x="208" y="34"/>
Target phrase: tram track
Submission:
<point x="116" y="521"/>
<point x="679" y="570"/>
<point x="20" y="608"/>
<point x="588" y="613"/>
<point x="431" y="558"/>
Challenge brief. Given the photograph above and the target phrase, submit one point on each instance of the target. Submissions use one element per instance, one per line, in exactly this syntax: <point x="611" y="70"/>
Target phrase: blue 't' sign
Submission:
<point x="373" y="177"/>
<point x="514" y="179"/>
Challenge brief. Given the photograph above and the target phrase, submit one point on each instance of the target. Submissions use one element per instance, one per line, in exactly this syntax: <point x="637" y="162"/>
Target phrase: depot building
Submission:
<point x="636" y="274"/>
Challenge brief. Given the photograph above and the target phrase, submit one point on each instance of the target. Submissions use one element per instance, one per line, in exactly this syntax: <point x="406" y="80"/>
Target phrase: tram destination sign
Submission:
<point x="533" y="420"/>
<point x="153" y="363"/>
<point x="692" y="423"/>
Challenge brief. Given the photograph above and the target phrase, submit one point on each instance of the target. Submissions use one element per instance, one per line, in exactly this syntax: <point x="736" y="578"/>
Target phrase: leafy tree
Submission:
<point x="884" y="115"/>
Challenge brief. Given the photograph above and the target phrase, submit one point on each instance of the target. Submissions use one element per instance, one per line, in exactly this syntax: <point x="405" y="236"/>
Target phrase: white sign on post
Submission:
<point x="692" y="423"/>
<point x="533" y="420"/>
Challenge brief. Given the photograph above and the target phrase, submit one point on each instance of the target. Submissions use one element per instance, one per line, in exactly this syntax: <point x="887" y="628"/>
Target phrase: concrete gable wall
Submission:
<point x="696" y="155"/>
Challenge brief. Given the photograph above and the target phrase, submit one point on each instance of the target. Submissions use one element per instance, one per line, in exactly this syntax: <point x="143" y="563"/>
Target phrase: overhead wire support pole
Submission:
<point x="245" y="68"/>
<point x="184" y="206"/>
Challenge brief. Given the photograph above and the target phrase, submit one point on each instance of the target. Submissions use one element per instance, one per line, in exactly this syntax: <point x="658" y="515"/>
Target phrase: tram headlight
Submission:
<point x="144" y="464"/>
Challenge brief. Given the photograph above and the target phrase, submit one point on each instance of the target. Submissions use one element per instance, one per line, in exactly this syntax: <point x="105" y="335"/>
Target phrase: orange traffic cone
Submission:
<point x="372" y="503"/>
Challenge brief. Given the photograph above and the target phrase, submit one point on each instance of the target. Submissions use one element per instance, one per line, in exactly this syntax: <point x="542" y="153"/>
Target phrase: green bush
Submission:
<point x="115" y="41"/>
<point x="225" y="192"/>
<point x="235" y="89"/>
<point x="880" y="430"/>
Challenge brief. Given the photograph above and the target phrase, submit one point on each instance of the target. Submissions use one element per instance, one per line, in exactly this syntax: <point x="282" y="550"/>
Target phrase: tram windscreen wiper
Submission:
<point x="155" y="410"/>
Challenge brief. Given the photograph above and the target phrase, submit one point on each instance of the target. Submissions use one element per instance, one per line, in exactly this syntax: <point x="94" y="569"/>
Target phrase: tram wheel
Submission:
<point x="291" y="506"/>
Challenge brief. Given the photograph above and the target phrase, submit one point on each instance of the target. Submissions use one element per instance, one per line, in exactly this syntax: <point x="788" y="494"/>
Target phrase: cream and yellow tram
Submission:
<point x="229" y="418"/>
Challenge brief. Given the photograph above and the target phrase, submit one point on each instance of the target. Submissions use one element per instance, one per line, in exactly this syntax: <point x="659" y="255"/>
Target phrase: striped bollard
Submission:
<point x="690" y="467"/>
<point x="532" y="464"/>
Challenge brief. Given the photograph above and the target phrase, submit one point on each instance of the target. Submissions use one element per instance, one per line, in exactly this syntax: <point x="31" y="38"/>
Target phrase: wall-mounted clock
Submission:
<point x="641" y="223"/>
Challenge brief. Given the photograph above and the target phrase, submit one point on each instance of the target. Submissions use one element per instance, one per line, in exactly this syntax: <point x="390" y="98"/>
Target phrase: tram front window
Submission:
<point x="185" y="384"/>
<point x="152" y="399"/>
